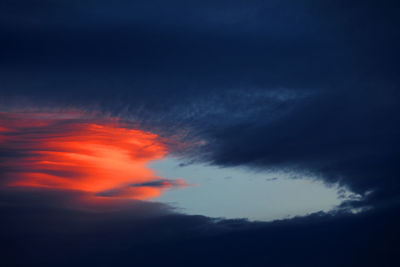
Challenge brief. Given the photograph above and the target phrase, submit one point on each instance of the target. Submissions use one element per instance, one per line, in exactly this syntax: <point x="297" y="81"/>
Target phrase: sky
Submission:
<point x="199" y="133"/>
<point x="240" y="193"/>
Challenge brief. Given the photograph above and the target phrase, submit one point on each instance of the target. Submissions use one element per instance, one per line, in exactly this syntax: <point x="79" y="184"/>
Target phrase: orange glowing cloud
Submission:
<point x="103" y="159"/>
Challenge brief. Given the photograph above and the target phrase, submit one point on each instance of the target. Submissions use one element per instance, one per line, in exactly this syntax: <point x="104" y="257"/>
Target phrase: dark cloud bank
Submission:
<point x="38" y="232"/>
<point x="310" y="87"/>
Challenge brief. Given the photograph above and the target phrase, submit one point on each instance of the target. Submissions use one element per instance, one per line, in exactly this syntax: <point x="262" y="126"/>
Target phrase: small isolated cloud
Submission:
<point x="149" y="189"/>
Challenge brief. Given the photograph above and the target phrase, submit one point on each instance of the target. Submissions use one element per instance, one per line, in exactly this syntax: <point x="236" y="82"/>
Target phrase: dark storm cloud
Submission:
<point x="304" y="86"/>
<point x="42" y="230"/>
<point x="309" y="87"/>
<point x="142" y="49"/>
<point x="350" y="137"/>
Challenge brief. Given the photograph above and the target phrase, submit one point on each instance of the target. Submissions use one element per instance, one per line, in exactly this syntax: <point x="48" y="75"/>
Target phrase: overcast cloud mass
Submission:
<point x="309" y="87"/>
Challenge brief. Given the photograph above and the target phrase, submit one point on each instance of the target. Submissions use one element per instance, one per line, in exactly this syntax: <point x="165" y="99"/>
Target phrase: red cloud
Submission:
<point x="72" y="153"/>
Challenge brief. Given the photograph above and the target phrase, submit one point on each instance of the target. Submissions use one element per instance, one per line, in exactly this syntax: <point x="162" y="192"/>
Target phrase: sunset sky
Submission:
<point x="199" y="133"/>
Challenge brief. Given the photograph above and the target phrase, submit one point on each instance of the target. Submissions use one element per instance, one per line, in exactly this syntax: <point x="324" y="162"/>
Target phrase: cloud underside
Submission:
<point x="40" y="229"/>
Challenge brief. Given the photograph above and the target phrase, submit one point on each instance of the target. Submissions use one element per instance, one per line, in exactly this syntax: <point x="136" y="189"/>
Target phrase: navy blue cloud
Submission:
<point x="310" y="87"/>
<point x="38" y="231"/>
<point x="305" y="86"/>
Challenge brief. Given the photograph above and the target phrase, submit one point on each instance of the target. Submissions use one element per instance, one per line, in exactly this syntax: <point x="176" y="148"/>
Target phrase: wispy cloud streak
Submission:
<point x="69" y="152"/>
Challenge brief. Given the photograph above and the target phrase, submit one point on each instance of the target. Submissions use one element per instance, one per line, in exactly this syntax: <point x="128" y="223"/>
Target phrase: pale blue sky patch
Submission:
<point x="238" y="193"/>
